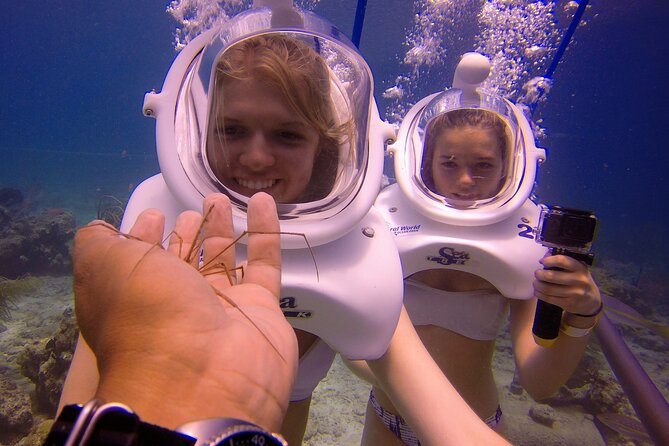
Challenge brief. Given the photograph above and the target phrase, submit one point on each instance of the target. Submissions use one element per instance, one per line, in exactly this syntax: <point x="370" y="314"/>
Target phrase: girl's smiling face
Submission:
<point x="467" y="164"/>
<point x="260" y="144"/>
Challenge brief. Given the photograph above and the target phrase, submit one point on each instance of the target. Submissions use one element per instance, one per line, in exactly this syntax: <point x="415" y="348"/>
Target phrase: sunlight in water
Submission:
<point x="518" y="36"/>
<point x="196" y="16"/>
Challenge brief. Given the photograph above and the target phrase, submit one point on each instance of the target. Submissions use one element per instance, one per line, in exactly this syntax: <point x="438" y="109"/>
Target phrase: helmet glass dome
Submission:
<point x="279" y="109"/>
<point x="466" y="155"/>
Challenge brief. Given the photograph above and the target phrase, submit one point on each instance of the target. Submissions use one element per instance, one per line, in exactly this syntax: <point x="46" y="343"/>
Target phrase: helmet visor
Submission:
<point x="467" y="156"/>
<point x="282" y="111"/>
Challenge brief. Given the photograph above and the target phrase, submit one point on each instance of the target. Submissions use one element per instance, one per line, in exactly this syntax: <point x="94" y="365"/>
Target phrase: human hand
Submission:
<point x="174" y="345"/>
<point x="571" y="287"/>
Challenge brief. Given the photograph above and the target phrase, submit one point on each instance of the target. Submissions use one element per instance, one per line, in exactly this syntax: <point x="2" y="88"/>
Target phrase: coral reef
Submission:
<point x="45" y="363"/>
<point x="15" y="409"/>
<point x="36" y="348"/>
<point x="35" y="244"/>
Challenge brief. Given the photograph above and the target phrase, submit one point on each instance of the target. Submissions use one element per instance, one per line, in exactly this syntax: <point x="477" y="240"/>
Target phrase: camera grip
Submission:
<point x="546" y="326"/>
<point x="548" y="317"/>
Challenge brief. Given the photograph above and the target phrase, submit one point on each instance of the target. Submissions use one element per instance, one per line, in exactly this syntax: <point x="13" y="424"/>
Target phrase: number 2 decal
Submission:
<point x="526" y="231"/>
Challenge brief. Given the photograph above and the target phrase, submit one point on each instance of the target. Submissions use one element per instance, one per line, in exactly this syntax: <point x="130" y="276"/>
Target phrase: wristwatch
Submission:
<point x="229" y="432"/>
<point x="115" y="424"/>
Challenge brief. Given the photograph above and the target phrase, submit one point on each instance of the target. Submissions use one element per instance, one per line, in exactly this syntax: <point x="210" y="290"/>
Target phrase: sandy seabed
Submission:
<point x="339" y="402"/>
<point x="338" y="414"/>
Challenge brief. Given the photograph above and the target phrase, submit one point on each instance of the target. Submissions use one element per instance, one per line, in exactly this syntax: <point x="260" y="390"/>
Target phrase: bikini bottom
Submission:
<point x="396" y="424"/>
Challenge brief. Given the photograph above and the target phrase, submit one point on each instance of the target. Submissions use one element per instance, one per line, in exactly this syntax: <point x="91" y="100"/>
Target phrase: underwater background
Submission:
<point x="74" y="144"/>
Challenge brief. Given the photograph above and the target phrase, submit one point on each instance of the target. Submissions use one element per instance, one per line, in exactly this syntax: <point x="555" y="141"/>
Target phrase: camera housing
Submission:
<point x="567" y="232"/>
<point x="566" y="229"/>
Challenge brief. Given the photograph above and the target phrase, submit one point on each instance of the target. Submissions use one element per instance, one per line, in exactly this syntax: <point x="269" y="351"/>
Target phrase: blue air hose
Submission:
<point x="359" y="21"/>
<point x="567" y="38"/>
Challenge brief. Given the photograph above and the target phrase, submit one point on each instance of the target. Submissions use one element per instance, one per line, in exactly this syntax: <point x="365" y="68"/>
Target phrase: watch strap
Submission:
<point x="109" y="424"/>
<point x="115" y="424"/>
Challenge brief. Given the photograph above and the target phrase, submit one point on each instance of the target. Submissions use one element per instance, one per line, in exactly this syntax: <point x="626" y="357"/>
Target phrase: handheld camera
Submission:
<point x="567" y="232"/>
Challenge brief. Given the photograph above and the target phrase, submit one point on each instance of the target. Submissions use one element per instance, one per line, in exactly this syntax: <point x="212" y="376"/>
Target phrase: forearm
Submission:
<point x="567" y="283"/>
<point x="543" y="370"/>
<point x="546" y="369"/>
<point x="413" y="381"/>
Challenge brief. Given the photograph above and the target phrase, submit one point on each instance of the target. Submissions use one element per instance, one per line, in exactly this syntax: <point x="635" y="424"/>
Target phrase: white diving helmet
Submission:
<point x="326" y="287"/>
<point x="331" y="184"/>
<point x="500" y="182"/>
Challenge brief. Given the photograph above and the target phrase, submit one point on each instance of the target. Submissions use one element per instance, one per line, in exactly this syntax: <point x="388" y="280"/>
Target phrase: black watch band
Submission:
<point x="115" y="424"/>
<point x="109" y="424"/>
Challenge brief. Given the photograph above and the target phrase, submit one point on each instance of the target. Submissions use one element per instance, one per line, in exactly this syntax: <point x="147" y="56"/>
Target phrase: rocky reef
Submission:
<point x="33" y="244"/>
<point x="45" y="363"/>
<point x="37" y="327"/>
<point x="36" y="344"/>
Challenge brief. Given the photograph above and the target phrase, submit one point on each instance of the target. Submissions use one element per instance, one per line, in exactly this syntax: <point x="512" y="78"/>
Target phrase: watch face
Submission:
<point x="252" y="438"/>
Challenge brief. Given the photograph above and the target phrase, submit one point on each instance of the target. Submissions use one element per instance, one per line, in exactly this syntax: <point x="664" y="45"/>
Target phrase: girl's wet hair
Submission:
<point x="300" y="74"/>
<point x="456" y="119"/>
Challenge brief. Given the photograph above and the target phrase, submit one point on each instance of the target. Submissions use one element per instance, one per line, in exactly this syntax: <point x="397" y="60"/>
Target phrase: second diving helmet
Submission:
<point x="465" y="149"/>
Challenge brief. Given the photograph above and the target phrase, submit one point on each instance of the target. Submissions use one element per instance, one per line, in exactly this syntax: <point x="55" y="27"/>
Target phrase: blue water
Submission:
<point x="73" y="75"/>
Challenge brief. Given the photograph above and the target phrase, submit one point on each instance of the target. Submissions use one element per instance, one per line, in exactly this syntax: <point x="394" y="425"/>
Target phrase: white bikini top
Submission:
<point x="474" y="314"/>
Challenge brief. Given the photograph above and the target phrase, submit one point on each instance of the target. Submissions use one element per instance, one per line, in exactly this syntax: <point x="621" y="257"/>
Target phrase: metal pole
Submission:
<point x="647" y="401"/>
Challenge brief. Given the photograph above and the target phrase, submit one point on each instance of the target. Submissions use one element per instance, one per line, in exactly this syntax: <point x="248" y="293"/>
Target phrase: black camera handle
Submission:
<point x="547" y="317"/>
